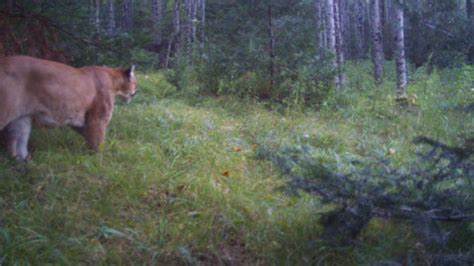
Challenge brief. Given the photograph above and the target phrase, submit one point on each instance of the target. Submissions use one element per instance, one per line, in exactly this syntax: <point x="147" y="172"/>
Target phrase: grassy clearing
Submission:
<point x="178" y="180"/>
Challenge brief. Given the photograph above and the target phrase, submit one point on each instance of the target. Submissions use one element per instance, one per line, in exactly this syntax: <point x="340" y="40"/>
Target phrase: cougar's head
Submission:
<point x="129" y="88"/>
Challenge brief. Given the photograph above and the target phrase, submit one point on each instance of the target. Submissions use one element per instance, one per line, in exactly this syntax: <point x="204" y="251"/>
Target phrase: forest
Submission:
<point x="271" y="132"/>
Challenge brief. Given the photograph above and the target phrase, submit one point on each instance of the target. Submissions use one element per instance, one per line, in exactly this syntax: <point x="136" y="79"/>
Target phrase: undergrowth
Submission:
<point x="179" y="180"/>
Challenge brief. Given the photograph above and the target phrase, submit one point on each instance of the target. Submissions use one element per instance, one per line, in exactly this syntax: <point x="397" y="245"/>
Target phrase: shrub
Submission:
<point x="435" y="194"/>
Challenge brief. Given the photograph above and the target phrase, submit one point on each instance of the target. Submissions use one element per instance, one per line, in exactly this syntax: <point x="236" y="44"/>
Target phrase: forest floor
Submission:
<point x="179" y="180"/>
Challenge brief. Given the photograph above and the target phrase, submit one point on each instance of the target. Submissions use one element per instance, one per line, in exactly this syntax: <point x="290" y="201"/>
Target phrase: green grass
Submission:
<point x="178" y="180"/>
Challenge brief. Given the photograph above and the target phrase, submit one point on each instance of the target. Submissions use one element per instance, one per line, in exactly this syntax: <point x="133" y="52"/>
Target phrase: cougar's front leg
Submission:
<point x="18" y="134"/>
<point x="94" y="132"/>
<point x="97" y="119"/>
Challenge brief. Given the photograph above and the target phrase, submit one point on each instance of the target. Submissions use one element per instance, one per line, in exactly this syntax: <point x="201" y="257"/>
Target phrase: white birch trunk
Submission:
<point x="377" y="45"/>
<point x="271" y="66"/>
<point x="195" y="20"/>
<point x="339" y="44"/>
<point x="388" y="27"/>
<point x="189" y="27"/>
<point x="319" y="25"/>
<point x="175" y="35"/>
<point x="331" y="36"/>
<point x="344" y="18"/>
<point x="359" y="29"/>
<point x="202" y="20"/>
<point x="324" y="23"/>
<point x="401" y="65"/>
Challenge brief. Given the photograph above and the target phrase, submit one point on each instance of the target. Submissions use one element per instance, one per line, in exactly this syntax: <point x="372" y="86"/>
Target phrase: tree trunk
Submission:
<point x="110" y="17"/>
<point x="90" y="12"/>
<point x="470" y="16"/>
<point x="344" y="25"/>
<point x="377" y="45"/>
<point x="94" y="14"/>
<point x="339" y="44"/>
<point x="203" y="22"/>
<point x="97" y="15"/>
<point x="399" y="39"/>
<point x="319" y="25"/>
<point x="359" y="30"/>
<point x="331" y="36"/>
<point x="417" y="51"/>
<point x="387" y="27"/>
<point x="188" y="26"/>
<point x="271" y="52"/>
<point x="127" y="15"/>
<point x="195" y="20"/>
<point x="469" y="9"/>
<point x="175" y="35"/>
<point x="157" y="11"/>
<point x="324" y="30"/>
<point x="191" y="16"/>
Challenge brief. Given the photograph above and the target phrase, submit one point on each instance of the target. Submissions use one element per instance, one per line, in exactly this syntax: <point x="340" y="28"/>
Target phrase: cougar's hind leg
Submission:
<point x="18" y="134"/>
<point x="11" y="141"/>
<point x="22" y="144"/>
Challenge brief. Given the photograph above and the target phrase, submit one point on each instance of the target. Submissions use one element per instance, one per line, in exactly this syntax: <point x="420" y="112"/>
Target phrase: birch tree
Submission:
<point x="399" y="40"/>
<point x="175" y="38"/>
<point x="324" y="30"/>
<point x="359" y="29"/>
<point x="188" y="26"/>
<point x="339" y="44"/>
<point x="202" y="19"/>
<point x="331" y="35"/>
<point x="344" y="18"/>
<point x="377" y="45"/>
<point x="387" y="22"/>
<point x="318" y="17"/>
<point x="191" y="16"/>
<point x="271" y="49"/>
<point x="194" y="12"/>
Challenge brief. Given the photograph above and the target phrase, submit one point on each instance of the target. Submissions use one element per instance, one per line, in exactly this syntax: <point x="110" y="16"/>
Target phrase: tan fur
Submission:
<point x="55" y="94"/>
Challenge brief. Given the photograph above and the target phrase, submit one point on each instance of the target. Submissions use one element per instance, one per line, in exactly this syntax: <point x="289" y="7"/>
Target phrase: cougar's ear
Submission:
<point x="129" y="72"/>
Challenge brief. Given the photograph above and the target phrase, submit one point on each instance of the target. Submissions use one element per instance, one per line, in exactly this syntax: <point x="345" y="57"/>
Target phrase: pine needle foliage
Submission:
<point x="434" y="194"/>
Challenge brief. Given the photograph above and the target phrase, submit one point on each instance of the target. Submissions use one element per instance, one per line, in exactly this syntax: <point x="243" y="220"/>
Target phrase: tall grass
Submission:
<point x="178" y="180"/>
